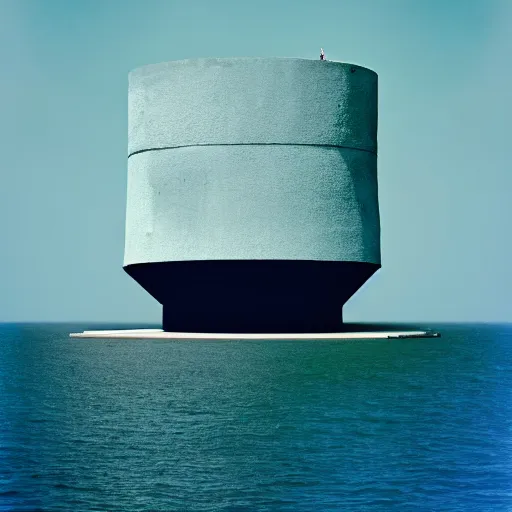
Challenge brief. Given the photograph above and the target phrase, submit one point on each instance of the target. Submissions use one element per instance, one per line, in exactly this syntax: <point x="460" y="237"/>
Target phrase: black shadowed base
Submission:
<point x="252" y="296"/>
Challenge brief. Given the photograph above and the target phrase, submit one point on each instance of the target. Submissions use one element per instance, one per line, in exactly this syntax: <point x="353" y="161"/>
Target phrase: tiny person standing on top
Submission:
<point x="322" y="54"/>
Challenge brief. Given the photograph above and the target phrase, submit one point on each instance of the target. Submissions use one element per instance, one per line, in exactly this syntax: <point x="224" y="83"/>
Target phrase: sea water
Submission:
<point x="121" y="425"/>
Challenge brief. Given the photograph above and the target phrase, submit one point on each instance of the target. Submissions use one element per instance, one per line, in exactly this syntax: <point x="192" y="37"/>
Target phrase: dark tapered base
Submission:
<point x="252" y="296"/>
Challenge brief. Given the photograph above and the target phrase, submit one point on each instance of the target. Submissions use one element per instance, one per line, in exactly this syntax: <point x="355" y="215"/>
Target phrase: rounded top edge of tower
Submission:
<point x="228" y="61"/>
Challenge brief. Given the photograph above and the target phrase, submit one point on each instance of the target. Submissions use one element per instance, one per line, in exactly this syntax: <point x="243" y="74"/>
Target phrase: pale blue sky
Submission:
<point x="445" y="172"/>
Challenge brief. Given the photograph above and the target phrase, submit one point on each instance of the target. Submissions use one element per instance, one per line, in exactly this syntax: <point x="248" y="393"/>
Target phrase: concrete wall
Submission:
<point x="252" y="159"/>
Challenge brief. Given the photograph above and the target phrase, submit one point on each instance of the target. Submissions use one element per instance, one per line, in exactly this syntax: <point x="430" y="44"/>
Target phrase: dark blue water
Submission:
<point x="123" y="425"/>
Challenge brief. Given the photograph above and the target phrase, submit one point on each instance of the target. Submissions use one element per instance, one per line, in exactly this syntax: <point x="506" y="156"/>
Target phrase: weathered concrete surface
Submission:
<point x="256" y="201"/>
<point x="252" y="101"/>
<point x="252" y="202"/>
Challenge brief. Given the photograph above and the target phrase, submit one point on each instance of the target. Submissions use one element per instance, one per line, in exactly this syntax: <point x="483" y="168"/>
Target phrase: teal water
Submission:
<point x="165" y="425"/>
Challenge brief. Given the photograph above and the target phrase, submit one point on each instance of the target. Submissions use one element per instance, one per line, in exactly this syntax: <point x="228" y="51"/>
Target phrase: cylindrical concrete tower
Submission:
<point x="252" y="191"/>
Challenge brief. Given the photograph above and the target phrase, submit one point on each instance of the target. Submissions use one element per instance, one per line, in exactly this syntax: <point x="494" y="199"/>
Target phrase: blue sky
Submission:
<point x="444" y="165"/>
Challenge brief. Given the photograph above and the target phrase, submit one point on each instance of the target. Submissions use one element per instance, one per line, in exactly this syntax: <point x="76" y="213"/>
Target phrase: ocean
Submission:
<point x="162" y="425"/>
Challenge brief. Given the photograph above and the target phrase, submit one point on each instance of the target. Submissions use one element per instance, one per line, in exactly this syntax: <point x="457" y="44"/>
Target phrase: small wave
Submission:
<point x="9" y="494"/>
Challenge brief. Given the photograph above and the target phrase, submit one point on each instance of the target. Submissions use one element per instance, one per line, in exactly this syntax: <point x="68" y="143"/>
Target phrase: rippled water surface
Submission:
<point x="124" y="425"/>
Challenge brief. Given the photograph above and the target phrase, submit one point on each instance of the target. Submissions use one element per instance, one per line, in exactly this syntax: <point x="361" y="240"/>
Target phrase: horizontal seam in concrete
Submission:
<point x="251" y="144"/>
